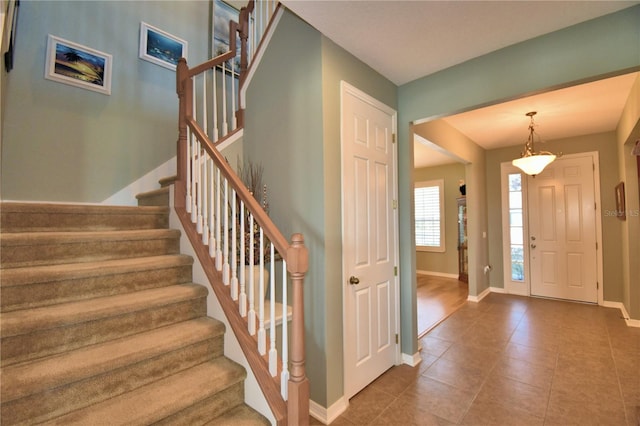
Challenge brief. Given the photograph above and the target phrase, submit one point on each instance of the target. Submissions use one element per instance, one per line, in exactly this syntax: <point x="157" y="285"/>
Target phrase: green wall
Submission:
<point x="447" y="261"/>
<point x="296" y="136"/>
<point x="605" y="145"/>
<point x="286" y="137"/>
<point x="606" y="46"/>
<point x="63" y="143"/>
<point x="338" y="65"/>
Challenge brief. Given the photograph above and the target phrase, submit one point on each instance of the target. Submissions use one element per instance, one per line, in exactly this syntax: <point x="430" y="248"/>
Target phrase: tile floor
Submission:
<point x="512" y="360"/>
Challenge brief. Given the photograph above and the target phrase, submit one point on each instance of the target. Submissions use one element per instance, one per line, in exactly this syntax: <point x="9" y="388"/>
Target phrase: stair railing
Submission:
<point x="229" y="229"/>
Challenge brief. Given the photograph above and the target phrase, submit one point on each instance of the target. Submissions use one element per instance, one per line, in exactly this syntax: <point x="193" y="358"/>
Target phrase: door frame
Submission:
<point x="348" y="89"/>
<point x="507" y="168"/>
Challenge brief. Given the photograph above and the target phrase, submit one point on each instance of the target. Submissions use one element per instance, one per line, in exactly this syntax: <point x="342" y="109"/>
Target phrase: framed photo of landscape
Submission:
<point x="77" y="65"/>
<point x="160" y="47"/>
<point x="223" y="13"/>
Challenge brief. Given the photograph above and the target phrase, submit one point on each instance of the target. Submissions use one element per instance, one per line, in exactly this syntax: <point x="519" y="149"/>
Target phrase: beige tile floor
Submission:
<point x="512" y="360"/>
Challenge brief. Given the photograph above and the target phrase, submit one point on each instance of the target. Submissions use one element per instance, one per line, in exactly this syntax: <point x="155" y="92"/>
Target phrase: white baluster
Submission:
<point x="198" y="163"/>
<point x="273" y="352"/>
<point x="205" y="199"/>
<point x="225" y="124"/>
<point x="284" y="375"/>
<point x="262" y="335"/>
<point x="243" y="278"/>
<point x="189" y="177"/>
<point x="215" y="108"/>
<point x="234" y="123"/>
<point x="218" y="221"/>
<point x="212" y="185"/>
<point x="199" y="191"/>
<point x="205" y="181"/>
<point x="252" y="311"/>
<point x="225" y="254"/>
<point x="234" y="246"/>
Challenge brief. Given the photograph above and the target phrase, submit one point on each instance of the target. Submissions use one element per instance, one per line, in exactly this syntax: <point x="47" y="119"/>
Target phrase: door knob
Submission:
<point x="354" y="280"/>
<point x="533" y="246"/>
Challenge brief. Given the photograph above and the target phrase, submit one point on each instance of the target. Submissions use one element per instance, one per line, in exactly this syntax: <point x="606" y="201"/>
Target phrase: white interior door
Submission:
<point x="562" y="230"/>
<point x="369" y="235"/>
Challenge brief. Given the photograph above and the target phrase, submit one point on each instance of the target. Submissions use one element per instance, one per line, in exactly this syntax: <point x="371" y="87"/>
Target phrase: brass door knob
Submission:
<point x="354" y="280"/>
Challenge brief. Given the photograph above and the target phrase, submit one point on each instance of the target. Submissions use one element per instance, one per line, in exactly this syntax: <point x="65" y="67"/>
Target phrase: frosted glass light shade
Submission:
<point x="534" y="164"/>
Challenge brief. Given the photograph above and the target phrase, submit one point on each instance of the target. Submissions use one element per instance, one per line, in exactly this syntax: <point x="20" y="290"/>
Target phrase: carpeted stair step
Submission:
<point x="167" y="181"/>
<point x="52" y="284"/>
<point x="192" y="396"/>
<point x="32" y="217"/>
<point x="157" y="197"/>
<point x="240" y="415"/>
<point x="34" y="333"/>
<point x="42" y="248"/>
<point x="46" y="388"/>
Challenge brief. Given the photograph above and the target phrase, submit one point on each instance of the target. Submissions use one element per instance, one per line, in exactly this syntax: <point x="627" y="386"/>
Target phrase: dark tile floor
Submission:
<point x="512" y="360"/>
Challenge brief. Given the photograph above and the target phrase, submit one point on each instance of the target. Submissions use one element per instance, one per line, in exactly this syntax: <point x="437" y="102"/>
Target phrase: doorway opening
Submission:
<point x="441" y="237"/>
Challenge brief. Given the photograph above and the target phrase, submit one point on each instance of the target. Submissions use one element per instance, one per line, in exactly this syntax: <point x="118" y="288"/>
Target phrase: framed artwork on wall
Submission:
<point x="77" y="65"/>
<point x="160" y="47"/>
<point x="222" y="14"/>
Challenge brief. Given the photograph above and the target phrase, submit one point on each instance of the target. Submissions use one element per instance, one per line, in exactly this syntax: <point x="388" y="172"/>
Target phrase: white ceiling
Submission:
<point x="579" y="110"/>
<point x="406" y="40"/>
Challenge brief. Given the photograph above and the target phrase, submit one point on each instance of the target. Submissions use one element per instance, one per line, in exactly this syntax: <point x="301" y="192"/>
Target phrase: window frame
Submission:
<point x="439" y="183"/>
<point x="511" y="286"/>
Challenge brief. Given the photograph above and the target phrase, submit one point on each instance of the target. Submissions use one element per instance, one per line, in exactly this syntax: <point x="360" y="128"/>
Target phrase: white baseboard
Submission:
<point x="498" y="290"/>
<point x="411" y="360"/>
<point x="630" y="322"/>
<point x="328" y="415"/>
<point x="438" y="274"/>
<point x="479" y="297"/>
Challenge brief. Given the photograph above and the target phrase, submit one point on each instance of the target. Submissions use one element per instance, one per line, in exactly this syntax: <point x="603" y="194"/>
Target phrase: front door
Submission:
<point x="562" y="230"/>
<point x="369" y="239"/>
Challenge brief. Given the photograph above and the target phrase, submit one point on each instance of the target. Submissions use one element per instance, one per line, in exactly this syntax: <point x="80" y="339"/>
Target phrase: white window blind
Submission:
<point x="429" y="215"/>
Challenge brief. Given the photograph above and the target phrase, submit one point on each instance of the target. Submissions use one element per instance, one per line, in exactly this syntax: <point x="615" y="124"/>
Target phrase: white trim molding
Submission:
<point x="625" y="315"/>
<point x="481" y="296"/>
<point x="411" y="360"/>
<point x="328" y="415"/>
<point x="438" y="274"/>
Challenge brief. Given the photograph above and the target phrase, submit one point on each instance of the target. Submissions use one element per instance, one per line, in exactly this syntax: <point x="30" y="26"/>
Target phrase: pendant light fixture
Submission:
<point x="532" y="162"/>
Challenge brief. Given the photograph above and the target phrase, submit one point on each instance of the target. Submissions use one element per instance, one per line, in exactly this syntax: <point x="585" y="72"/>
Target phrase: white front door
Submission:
<point x="369" y="239"/>
<point x="562" y="230"/>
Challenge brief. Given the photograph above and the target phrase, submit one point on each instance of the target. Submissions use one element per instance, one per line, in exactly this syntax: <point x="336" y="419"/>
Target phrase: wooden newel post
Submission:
<point x="298" y="388"/>
<point x="182" y="72"/>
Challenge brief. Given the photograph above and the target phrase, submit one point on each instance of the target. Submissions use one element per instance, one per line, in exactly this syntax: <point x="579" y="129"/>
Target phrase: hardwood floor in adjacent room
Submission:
<point x="437" y="298"/>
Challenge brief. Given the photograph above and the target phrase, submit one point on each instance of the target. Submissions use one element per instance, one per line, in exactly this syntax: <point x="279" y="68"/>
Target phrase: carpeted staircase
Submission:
<point x="101" y="324"/>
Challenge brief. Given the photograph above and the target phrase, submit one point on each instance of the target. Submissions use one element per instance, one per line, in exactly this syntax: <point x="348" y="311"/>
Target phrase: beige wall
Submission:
<point x="446" y="262"/>
<point x="627" y="133"/>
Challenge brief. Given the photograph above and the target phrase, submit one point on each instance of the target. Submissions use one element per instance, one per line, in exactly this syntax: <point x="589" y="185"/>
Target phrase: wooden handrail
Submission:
<point x="259" y="215"/>
<point x="295" y="409"/>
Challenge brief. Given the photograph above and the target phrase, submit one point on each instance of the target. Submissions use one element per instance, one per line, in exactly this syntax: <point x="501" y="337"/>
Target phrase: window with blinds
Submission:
<point x="429" y="215"/>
